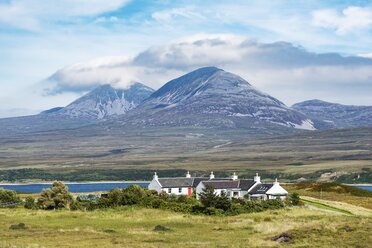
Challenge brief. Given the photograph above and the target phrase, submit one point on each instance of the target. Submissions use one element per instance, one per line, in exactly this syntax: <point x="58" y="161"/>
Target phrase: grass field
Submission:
<point x="347" y="197"/>
<point x="86" y="155"/>
<point x="134" y="227"/>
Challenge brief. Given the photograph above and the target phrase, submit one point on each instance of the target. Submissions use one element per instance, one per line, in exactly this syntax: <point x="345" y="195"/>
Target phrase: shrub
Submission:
<point x="30" y="203"/>
<point x="56" y="197"/>
<point x="19" y="226"/>
<point x="223" y="202"/>
<point x="161" y="228"/>
<point x="213" y="211"/>
<point x="207" y="197"/>
<point x="294" y="199"/>
<point x="8" y="196"/>
<point x="132" y="195"/>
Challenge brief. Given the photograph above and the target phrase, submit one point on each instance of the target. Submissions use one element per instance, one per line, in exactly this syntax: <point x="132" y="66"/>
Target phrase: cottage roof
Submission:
<point x="261" y="188"/>
<point x="223" y="184"/>
<point x="180" y="182"/>
<point x="246" y="184"/>
<point x="176" y="182"/>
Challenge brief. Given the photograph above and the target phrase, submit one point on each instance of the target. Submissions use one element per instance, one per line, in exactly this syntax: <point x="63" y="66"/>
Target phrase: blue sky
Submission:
<point x="51" y="52"/>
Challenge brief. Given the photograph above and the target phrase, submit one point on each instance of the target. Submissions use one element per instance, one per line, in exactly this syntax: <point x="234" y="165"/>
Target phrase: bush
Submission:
<point x="8" y="196"/>
<point x="56" y="197"/>
<point x="294" y="199"/>
<point x="30" y="203"/>
<point x="207" y="197"/>
<point x="223" y="202"/>
<point x="161" y="228"/>
<point x="19" y="226"/>
<point x="213" y="211"/>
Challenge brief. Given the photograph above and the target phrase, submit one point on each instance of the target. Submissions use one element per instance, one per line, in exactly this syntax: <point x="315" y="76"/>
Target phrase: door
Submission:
<point x="189" y="192"/>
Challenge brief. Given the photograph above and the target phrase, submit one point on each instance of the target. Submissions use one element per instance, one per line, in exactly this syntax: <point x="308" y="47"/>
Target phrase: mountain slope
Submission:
<point x="212" y="97"/>
<point x="100" y="103"/>
<point x="106" y="101"/>
<point x="336" y="115"/>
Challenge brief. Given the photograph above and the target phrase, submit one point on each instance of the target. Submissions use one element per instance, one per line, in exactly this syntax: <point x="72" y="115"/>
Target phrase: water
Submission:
<point x="72" y="187"/>
<point x="369" y="188"/>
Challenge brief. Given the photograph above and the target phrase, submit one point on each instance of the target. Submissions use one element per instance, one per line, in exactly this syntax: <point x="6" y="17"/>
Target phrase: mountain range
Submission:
<point x="211" y="97"/>
<point x="208" y="97"/>
<point x="105" y="101"/>
<point x="336" y="115"/>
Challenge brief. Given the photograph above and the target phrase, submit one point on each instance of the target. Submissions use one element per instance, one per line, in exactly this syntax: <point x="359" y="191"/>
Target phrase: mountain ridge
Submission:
<point x="212" y="97"/>
<point x="105" y="101"/>
<point x="336" y="115"/>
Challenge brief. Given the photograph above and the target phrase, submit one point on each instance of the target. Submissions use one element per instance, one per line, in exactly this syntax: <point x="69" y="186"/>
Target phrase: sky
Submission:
<point x="52" y="52"/>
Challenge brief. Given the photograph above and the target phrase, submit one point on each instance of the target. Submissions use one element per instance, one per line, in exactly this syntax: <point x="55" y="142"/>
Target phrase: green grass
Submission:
<point x="333" y="192"/>
<point x="136" y="227"/>
<point x="325" y="206"/>
<point x="87" y="155"/>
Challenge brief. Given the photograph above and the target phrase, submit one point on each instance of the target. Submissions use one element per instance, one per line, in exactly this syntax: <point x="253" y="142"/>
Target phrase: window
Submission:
<point x="169" y="191"/>
<point x="180" y="190"/>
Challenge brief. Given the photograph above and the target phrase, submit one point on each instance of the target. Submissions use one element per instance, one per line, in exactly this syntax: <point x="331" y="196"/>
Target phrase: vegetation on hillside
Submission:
<point x="131" y="226"/>
<point x="58" y="197"/>
<point x="334" y="192"/>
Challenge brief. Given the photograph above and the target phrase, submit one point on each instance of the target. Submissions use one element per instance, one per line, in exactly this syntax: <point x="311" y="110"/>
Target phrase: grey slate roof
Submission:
<point x="261" y="188"/>
<point x="181" y="182"/>
<point x="246" y="184"/>
<point x="176" y="182"/>
<point x="225" y="184"/>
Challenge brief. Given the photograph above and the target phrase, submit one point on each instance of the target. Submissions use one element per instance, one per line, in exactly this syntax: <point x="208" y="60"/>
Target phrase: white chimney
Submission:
<point x="155" y="176"/>
<point x="257" y="178"/>
<point x="234" y="176"/>
<point x="211" y="176"/>
<point x="276" y="181"/>
<point x="188" y="174"/>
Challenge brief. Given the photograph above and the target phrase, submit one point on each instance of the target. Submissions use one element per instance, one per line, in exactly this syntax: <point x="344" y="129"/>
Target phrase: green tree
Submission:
<point x="115" y="197"/>
<point x="223" y="202"/>
<point x="207" y="197"/>
<point x="134" y="194"/>
<point x="294" y="199"/>
<point x="56" y="197"/>
<point x="8" y="196"/>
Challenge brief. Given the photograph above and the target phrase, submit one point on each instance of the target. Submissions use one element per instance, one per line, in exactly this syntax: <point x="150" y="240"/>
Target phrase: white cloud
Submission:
<point x="168" y="14"/>
<point x="273" y="67"/>
<point x="350" y="19"/>
<point x="111" y="19"/>
<point x="30" y="14"/>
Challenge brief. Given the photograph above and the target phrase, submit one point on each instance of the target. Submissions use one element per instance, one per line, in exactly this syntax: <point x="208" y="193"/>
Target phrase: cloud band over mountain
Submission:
<point x="271" y="66"/>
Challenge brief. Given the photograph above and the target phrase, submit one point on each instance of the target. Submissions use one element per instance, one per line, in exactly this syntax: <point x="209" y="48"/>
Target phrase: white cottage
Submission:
<point x="233" y="187"/>
<point x="268" y="191"/>
<point x="238" y="188"/>
<point x="177" y="185"/>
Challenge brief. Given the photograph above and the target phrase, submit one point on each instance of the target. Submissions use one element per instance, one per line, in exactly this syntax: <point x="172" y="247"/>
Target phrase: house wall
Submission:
<point x="218" y="192"/>
<point x="199" y="189"/>
<point x="155" y="185"/>
<point x="175" y="191"/>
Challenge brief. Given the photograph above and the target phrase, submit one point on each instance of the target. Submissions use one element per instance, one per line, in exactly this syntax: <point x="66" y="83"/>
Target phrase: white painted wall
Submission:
<point x="218" y="192"/>
<point x="155" y="185"/>
<point x="175" y="191"/>
<point x="199" y="189"/>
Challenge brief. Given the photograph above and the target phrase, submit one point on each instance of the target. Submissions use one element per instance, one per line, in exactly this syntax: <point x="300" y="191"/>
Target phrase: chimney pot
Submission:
<point x="211" y="176"/>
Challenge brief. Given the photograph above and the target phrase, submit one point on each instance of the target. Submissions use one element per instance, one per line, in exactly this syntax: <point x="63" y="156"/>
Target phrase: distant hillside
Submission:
<point x="101" y="103"/>
<point x="333" y="115"/>
<point x="105" y="101"/>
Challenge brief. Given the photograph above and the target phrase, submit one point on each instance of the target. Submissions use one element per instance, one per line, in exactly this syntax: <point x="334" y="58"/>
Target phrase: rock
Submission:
<point x="284" y="237"/>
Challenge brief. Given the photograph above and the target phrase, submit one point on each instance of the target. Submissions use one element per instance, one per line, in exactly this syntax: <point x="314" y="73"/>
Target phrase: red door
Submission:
<point x="189" y="192"/>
